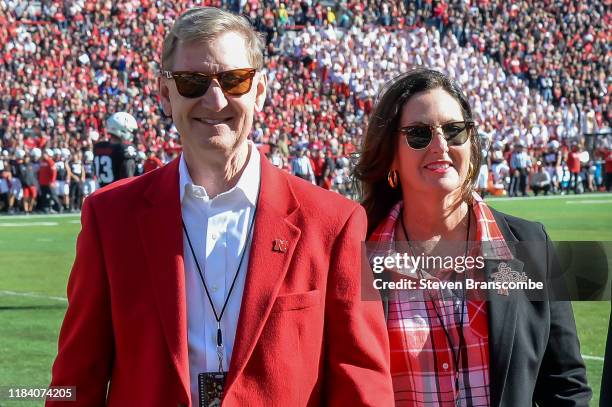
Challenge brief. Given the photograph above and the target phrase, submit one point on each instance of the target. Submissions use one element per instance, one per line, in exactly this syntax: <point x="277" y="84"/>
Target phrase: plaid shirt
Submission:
<point x="422" y="359"/>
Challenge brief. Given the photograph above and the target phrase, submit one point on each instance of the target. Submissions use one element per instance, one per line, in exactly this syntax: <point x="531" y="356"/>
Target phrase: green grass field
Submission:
<point x="586" y="217"/>
<point x="36" y="254"/>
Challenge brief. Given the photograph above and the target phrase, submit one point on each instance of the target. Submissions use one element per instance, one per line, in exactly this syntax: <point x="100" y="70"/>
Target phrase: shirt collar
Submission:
<point x="487" y="231"/>
<point x="248" y="182"/>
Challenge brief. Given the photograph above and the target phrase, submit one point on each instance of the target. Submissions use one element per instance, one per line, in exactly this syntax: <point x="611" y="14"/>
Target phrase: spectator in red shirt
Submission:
<point x="573" y="165"/>
<point x="348" y="147"/>
<point x="318" y="164"/>
<point x="152" y="162"/>
<point x="47" y="176"/>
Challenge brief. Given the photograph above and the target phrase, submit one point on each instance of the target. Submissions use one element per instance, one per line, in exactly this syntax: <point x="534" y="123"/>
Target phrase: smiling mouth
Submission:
<point x="439" y="166"/>
<point x="212" y="122"/>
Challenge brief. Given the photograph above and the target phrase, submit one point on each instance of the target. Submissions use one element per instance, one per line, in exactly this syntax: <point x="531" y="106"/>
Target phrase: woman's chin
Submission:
<point x="443" y="188"/>
<point x="444" y="184"/>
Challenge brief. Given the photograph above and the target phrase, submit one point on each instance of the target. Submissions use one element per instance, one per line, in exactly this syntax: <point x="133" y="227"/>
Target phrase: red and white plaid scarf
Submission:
<point x="422" y="359"/>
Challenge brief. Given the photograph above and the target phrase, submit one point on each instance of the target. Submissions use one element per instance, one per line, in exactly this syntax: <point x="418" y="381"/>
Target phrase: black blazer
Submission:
<point x="605" y="398"/>
<point x="534" y="350"/>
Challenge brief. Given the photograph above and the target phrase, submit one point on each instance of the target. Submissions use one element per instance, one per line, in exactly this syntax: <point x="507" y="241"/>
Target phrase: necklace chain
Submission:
<point x="457" y="353"/>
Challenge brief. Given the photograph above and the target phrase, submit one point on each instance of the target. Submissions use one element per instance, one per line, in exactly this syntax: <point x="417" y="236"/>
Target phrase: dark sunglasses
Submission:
<point x="455" y="134"/>
<point x="235" y="82"/>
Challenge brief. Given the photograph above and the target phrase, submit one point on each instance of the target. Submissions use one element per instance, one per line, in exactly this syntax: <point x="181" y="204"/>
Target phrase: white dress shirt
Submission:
<point x="218" y="230"/>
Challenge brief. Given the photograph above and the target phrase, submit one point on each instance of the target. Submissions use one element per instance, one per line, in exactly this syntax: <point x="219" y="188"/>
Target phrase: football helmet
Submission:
<point x="122" y="125"/>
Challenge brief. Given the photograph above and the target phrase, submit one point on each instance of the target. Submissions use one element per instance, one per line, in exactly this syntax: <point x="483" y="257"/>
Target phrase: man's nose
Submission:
<point x="214" y="99"/>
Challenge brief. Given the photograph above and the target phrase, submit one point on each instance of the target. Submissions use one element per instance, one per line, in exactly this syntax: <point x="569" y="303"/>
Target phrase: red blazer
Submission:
<point x="305" y="337"/>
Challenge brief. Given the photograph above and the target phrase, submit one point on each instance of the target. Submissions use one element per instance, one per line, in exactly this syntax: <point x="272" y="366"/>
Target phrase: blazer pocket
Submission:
<point x="296" y="301"/>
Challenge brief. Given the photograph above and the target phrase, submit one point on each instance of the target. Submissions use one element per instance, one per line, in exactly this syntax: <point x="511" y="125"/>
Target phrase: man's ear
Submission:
<point x="164" y="96"/>
<point x="260" y="97"/>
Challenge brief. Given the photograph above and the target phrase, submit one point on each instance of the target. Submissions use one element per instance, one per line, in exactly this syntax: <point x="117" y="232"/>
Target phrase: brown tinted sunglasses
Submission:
<point x="235" y="82"/>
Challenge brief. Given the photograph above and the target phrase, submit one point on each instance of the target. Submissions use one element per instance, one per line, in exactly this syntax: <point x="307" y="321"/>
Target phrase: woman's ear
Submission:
<point x="395" y="163"/>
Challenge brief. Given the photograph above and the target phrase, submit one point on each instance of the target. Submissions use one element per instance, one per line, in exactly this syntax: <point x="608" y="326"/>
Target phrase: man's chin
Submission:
<point x="221" y="143"/>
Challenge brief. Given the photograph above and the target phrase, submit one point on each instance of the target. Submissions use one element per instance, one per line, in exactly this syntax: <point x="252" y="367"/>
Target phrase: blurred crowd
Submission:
<point x="536" y="73"/>
<point x="514" y="169"/>
<point x="562" y="48"/>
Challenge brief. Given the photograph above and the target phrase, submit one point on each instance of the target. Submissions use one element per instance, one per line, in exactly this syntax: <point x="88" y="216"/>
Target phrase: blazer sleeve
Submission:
<point x="85" y="347"/>
<point x="357" y="345"/>
<point x="605" y="397"/>
<point x="562" y="377"/>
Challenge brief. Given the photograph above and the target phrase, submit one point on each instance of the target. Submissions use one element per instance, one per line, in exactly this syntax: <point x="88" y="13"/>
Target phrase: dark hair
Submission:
<point x="379" y="145"/>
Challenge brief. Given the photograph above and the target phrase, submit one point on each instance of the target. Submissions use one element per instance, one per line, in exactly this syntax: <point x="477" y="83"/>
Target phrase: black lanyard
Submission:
<point x="212" y="305"/>
<point x="456" y="354"/>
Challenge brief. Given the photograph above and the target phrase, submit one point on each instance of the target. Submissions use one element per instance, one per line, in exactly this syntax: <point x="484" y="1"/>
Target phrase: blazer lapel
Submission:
<point x="274" y="240"/>
<point x="502" y="322"/>
<point x="162" y="238"/>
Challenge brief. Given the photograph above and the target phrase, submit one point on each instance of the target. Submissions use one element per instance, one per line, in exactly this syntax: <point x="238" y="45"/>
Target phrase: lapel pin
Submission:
<point x="505" y="274"/>
<point x="280" y="245"/>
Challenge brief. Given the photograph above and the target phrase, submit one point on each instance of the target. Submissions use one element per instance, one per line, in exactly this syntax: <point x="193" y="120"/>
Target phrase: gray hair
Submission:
<point x="202" y="24"/>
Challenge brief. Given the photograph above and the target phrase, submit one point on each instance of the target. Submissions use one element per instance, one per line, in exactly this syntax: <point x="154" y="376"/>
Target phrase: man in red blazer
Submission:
<point x="149" y="322"/>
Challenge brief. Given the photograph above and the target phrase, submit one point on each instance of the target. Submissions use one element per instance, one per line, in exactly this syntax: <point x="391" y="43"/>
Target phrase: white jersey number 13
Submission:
<point x="104" y="169"/>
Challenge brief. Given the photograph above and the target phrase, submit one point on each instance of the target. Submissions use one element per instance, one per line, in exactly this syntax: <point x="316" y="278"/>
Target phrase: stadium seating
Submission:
<point x="532" y="71"/>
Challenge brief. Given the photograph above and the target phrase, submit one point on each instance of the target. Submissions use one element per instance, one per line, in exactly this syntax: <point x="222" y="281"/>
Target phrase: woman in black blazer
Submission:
<point x="535" y="354"/>
<point x="418" y="166"/>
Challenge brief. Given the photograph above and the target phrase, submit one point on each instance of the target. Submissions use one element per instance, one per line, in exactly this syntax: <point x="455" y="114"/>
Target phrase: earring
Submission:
<point x="392" y="178"/>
